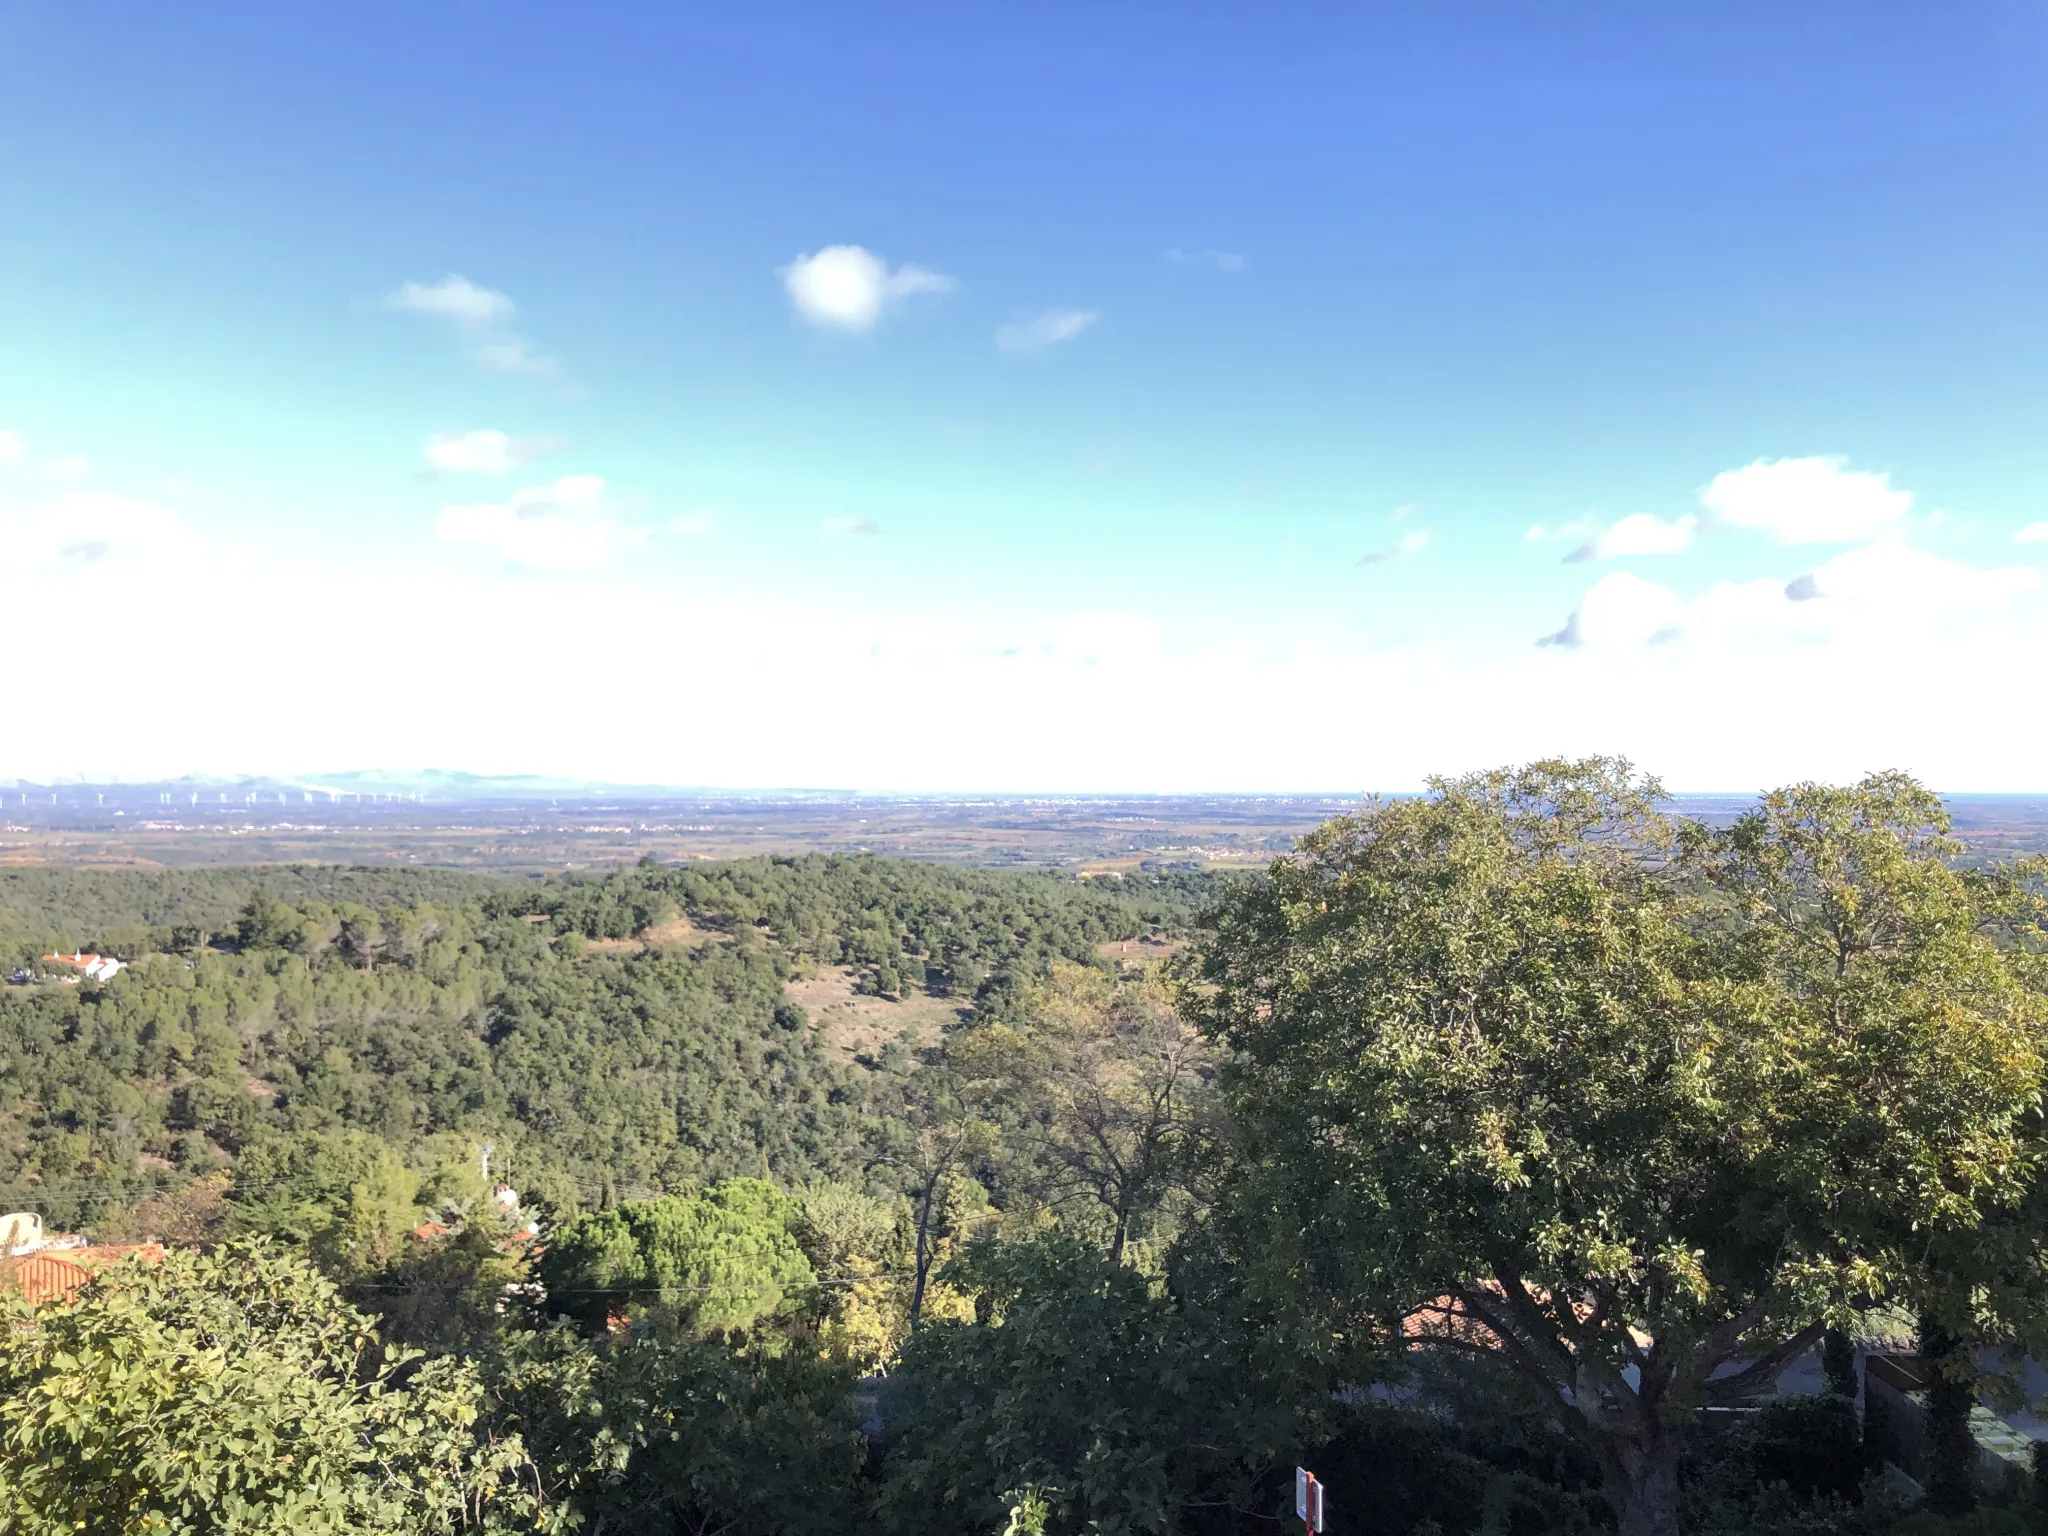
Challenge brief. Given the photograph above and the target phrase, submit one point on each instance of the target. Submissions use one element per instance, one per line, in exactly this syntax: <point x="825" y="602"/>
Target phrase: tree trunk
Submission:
<point x="923" y="1262"/>
<point x="1642" y="1485"/>
<point x="1952" y="1449"/>
<point x="1838" y="1362"/>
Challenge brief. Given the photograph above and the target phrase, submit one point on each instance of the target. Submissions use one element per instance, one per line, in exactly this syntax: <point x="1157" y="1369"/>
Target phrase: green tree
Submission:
<point x="725" y="1260"/>
<point x="660" y="1433"/>
<point x="1507" y="1087"/>
<point x="235" y="1393"/>
<point x="1082" y="1390"/>
<point x="347" y="1196"/>
<point x="1838" y="1362"/>
<point x="1951" y="1393"/>
<point x="1100" y="1088"/>
<point x="934" y="1155"/>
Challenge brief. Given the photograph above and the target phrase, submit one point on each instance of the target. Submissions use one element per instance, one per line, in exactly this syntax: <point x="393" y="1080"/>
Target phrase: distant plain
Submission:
<point x="180" y="826"/>
<point x="514" y="828"/>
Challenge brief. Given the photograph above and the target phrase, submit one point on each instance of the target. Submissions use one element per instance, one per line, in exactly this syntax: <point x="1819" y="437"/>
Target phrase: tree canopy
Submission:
<point x="718" y="1262"/>
<point x="238" y="1392"/>
<point x="1518" y="1075"/>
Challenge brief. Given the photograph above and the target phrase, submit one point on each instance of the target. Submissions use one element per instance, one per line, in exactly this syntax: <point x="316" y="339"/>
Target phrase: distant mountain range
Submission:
<point x="445" y="784"/>
<point x="441" y="784"/>
<point x="425" y="784"/>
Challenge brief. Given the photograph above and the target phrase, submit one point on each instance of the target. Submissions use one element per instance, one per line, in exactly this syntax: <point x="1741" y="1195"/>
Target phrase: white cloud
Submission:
<point x="10" y="445"/>
<point x="1055" y="325"/>
<point x="561" y="526"/>
<point x="1640" y="534"/>
<point x="485" y="451"/>
<point x="1621" y="610"/>
<point x="2033" y="533"/>
<point x="1876" y="597"/>
<point x="482" y="316"/>
<point x="852" y="527"/>
<point x="85" y="529"/>
<point x="1863" y="601"/>
<point x="1414" y="542"/>
<point x="698" y="523"/>
<point x="850" y="287"/>
<point x="72" y="466"/>
<point x="1807" y="501"/>
<point x="1841" y="698"/>
<point x="1577" y="528"/>
<point x="455" y="298"/>
<point x="1890" y="583"/>
<point x="1219" y="261"/>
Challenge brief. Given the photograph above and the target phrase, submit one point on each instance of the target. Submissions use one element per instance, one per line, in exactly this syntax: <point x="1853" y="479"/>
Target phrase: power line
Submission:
<point x="112" y="1184"/>
<point x="665" y="1290"/>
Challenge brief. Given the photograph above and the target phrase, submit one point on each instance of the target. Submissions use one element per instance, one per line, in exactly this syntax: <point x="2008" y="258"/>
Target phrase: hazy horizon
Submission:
<point x="352" y="781"/>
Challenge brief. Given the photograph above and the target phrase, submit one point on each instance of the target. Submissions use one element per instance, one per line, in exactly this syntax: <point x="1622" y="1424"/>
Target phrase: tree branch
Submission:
<point x="1720" y="1342"/>
<point x="1530" y="1314"/>
<point x="1765" y="1370"/>
<point x="1516" y="1348"/>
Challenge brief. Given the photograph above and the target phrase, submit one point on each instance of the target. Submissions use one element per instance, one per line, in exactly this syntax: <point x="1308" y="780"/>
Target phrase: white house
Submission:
<point x="92" y="967"/>
<point x="21" y="1232"/>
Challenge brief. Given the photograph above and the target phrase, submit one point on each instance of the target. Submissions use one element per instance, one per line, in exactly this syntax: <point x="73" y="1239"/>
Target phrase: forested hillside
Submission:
<point x="413" y="1005"/>
<point x="136" y="911"/>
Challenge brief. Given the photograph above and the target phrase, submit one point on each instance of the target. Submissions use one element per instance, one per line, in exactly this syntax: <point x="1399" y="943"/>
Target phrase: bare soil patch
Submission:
<point x="1141" y="953"/>
<point x="677" y="931"/>
<point x="850" y="1024"/>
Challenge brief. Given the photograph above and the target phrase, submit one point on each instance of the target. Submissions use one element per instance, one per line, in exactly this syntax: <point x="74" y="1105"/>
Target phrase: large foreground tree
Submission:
<point x="236" y="1392"/>
<point x="1524" y="1070"/>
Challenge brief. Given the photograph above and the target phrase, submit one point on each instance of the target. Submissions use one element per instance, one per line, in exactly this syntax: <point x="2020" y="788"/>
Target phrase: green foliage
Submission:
<point x="127" y="912"/>
<point x="238" y="1393"/>
<point x="842" y="1230"/>
<point x="1951" y="1394"/>
<point x="1795" y="1464"/>
<point x="885" y="917"/>
<point x="1986" y="1522"/>
<point x="1394" y="1471"/>
<point x="1100" y="1088"/>
<point x="657" y="1433"/>
<point x="1499" y="1075"/>
<point x="1118" y="1408"/>
<point x="600" y="1075"/>
<point x="346" y="1196"/>
<point x="719" y="1262"/>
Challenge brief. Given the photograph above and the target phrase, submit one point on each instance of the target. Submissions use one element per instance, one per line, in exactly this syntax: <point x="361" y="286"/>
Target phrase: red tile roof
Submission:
<point x="56" y="1276"/>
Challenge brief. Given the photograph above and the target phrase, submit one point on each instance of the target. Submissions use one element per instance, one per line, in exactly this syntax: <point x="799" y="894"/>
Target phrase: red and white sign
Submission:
<point x="1308" y="1500"/>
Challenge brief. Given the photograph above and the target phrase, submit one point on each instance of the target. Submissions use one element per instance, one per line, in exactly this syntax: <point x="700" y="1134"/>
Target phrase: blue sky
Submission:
<point x="1028" y="397"/>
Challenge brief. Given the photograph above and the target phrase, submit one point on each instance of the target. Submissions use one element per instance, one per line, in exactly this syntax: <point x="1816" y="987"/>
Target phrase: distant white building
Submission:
<point x="21" y="1232"/>
<point x="91" y="967"/>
